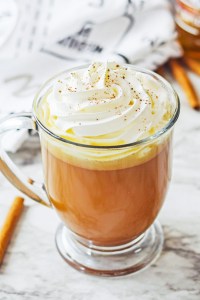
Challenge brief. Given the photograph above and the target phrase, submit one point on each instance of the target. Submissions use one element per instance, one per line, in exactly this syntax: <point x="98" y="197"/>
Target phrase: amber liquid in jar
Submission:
<point x="188" y="26"/>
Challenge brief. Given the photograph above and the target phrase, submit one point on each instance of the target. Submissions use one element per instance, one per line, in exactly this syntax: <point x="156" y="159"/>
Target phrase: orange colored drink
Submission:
<point x="108" y="207"/>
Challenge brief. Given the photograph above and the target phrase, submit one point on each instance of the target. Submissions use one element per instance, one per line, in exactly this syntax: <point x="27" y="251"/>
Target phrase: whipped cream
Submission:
<point x="105" y="104"/>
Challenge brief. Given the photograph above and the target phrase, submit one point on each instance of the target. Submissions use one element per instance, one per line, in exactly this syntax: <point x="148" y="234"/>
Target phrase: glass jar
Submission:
<point x="188" y="25"/>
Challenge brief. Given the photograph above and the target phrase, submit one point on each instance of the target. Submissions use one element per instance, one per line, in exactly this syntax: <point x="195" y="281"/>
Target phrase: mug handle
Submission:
<point x="35" y="190"/>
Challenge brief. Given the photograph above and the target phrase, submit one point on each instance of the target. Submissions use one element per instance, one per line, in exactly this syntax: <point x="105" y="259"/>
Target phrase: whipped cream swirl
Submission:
<point x="106" y="104"/>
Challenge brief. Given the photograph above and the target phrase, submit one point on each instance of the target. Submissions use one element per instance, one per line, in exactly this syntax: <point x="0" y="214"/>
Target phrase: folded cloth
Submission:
<point x="46" y="37"/>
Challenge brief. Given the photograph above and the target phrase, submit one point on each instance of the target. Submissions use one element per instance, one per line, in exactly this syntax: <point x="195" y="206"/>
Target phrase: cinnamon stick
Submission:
<point x="182" y="78"/>
<point x="161" y="71"/>
<point x="9" y="225"/>
<point x="192" y="54"/>
<point x="192" y="65"/>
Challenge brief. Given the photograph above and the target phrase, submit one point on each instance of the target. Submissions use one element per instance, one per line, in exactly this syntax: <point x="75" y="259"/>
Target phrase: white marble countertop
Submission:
<point x="33" y="269"/>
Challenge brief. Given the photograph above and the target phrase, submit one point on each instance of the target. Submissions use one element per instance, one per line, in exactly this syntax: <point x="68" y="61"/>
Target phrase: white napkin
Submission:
<point x="40" y="38"/>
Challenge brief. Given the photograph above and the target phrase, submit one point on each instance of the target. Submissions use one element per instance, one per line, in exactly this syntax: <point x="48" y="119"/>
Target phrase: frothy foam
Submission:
<point x="106" y="104"/>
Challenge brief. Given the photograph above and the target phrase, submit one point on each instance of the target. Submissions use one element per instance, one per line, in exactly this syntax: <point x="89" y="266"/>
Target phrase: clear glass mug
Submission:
<point x="107" y="197"/>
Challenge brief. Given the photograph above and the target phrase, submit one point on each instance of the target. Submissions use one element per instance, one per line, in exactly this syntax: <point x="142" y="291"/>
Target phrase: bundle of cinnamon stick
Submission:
<point x="178" y="69"/>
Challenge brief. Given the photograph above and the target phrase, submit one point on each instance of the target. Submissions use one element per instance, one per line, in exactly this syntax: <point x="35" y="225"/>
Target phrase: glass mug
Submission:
<point x="107" y="197"/>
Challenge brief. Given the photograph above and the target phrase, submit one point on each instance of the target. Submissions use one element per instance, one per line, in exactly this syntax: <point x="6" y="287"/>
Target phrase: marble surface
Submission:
<point x="33" y="269"/>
